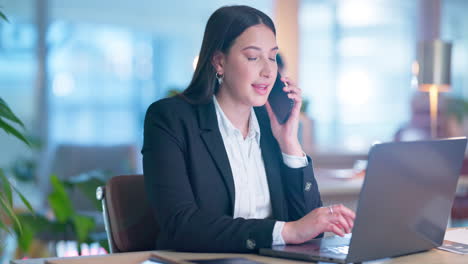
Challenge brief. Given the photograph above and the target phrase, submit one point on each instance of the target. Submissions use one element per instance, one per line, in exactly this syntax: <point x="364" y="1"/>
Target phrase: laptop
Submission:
<point x="403" y="207"/>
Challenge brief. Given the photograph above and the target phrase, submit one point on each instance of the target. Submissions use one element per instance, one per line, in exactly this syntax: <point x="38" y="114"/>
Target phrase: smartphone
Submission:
<point x="279" y="101"/>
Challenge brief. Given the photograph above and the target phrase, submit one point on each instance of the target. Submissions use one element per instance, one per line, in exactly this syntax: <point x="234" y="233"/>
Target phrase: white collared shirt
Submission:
<point x="252" y="196"/>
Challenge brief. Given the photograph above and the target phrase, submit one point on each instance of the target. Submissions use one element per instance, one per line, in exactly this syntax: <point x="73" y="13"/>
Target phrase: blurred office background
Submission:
<point x="81" y="74"/>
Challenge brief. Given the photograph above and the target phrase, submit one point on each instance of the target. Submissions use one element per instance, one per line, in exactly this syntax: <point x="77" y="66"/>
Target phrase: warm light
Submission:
<point x="195" y="62"/>
<point x="434" y="58"/>
<point x="434" y="91"/>
<point x="415" y="68"/>
<point x="433" y="94"/>
<point x="428" y="87"/>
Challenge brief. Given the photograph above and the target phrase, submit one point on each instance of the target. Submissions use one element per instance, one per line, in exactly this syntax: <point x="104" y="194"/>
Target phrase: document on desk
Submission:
<point x="456" y="241"/>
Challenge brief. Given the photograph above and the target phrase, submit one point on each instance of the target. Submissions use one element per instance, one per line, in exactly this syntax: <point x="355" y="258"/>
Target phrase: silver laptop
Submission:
<point x="403" y="208"/>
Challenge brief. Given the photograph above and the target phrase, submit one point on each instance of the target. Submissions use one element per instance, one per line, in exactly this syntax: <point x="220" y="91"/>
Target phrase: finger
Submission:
<point x="345" y="211"/>
<point x="296" y="110"/>
<point x="288" y="81"/>
<point x="271" y="115"/>
<point x="348" y="216"/>
<point x="335" y="229"/>
<point x="293" y="89"/>
<point x="341" y="221"/>
<point x="349" y="221"/>
<point x="296" y="97"/>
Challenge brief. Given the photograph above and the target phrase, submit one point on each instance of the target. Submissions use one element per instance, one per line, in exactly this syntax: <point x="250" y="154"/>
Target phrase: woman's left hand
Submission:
<point x="286" y="134"/>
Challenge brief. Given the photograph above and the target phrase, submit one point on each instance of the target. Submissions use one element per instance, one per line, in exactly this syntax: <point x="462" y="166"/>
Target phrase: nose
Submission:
<point x="268" y="69"/>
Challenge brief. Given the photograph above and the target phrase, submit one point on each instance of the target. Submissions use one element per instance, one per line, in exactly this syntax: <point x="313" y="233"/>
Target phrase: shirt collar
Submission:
<point x="228" y="129"/>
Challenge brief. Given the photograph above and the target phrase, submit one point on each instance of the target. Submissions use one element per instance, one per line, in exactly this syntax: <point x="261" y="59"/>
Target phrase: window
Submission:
<point x="100" y="77"/>
<point x="18" y="65"/>
<point x="355" y="69"/>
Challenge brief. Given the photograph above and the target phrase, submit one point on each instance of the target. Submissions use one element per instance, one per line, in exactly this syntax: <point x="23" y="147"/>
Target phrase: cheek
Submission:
<point x="241" y="73"/>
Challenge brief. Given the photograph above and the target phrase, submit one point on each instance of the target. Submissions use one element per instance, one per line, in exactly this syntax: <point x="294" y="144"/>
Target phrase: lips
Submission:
<point x="261" y="89"/>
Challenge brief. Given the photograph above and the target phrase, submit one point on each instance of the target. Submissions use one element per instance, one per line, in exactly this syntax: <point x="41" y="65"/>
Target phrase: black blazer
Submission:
<point x="190" y="185"/>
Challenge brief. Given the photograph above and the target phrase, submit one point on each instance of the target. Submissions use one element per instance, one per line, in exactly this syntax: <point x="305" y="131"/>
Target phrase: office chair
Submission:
<point x="128" y="217"/>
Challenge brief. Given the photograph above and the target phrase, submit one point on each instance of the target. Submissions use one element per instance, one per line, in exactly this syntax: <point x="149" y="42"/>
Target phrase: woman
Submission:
<point x="221" y="173"/>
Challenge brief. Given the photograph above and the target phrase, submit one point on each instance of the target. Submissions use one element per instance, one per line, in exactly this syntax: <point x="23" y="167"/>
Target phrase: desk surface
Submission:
<point x="429" y="257"/>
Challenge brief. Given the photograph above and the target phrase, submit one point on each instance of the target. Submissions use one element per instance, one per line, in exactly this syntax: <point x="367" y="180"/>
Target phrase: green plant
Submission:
<point x="7" y="214"/>
<point x="7" y="114"/>
<point x="458" y="107"/>
<point x="68" y="223"/>
<point x="8" y="217"/>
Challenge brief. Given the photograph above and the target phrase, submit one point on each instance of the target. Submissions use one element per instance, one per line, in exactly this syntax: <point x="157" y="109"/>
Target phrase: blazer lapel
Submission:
<point x="272" y="168"/>
<point x="214" y="143"/>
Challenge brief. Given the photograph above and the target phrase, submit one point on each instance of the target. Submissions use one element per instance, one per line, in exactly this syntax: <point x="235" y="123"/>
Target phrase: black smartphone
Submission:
<point x="279" y="101"/>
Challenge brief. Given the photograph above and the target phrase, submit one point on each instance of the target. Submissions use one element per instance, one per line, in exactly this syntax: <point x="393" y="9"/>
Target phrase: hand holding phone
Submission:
<point x="279" y="101"/>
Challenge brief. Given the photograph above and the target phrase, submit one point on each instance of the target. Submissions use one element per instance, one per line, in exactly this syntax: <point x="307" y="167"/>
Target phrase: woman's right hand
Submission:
<point x="334" y="218"/>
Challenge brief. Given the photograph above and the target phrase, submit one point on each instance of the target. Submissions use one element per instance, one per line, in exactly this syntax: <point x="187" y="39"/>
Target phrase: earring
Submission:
<point x="219" y="77"/>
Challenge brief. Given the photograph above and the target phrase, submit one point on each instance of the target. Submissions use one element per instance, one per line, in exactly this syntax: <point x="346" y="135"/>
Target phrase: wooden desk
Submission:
<point x="429" y="257"/>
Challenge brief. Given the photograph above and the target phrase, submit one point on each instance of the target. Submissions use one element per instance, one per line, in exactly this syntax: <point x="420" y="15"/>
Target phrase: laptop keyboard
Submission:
<point x="340" y="250"/>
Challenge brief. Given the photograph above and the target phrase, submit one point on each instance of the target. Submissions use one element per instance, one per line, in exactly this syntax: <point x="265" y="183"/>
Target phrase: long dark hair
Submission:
<point x="222" y="28"/>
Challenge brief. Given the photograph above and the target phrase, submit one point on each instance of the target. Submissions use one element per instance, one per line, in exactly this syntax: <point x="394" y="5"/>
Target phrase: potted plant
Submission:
<point x="65" y="223"/>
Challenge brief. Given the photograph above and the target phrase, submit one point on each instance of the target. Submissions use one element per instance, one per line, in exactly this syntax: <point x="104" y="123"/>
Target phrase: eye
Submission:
<point x="252" y="58"/>
<point x="273" y="59"/>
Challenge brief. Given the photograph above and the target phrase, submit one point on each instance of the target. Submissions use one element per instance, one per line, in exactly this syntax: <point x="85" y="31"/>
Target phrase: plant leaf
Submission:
<point x="24" y="200"/>
<point x="83" y="226"/>
<point x="5" y="111"/>
<point x="25" y="238"/>
<point x="59" y="201"/>
<point x="86" y="183"/>
<point x="3" y="16"/>
<point x="11" y="130"/>
<point x="9" y="211"/>
<point x="32" y="224"/>
<point x="6" y="187"/>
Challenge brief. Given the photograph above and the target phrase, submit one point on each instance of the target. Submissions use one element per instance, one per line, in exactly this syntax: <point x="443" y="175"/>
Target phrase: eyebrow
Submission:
<point x="257" y="48"/>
